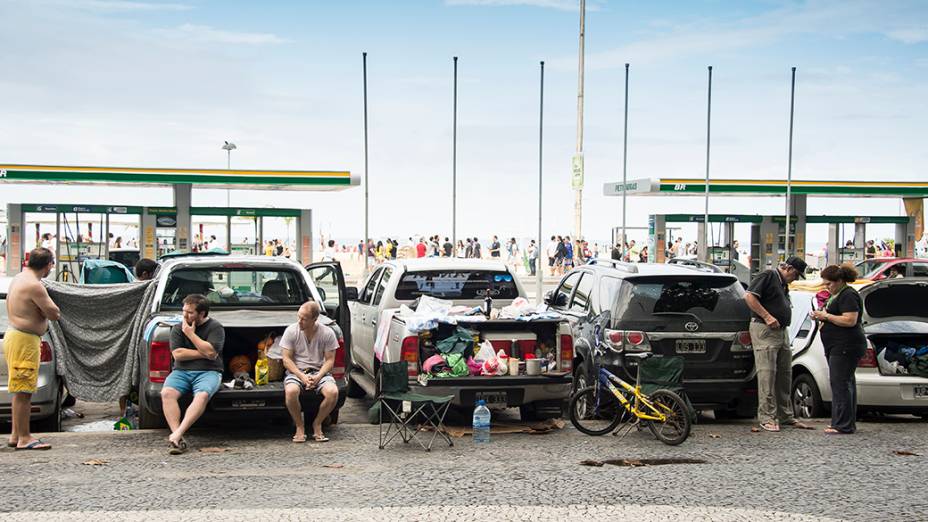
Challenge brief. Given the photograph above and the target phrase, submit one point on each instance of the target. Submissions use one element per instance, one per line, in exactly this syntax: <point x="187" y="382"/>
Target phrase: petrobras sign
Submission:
<point x="637" y="186"/>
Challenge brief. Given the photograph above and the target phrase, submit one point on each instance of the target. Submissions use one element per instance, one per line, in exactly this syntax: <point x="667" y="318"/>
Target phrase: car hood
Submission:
<point x="903" y="299"/>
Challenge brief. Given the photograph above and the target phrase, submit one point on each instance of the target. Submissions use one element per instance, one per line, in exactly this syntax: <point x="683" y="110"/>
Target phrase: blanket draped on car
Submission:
<point x="96" y="340"/>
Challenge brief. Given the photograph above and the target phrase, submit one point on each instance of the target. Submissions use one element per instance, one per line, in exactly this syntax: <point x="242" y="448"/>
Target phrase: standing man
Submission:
<point x="532" y="251"/>
<point x="447" y="248"/>
<point x="551" y="251"/>
<point x="768" y="299"/>
<point x="29" y="308"/>
<point x="309" y="355"/>
<point x="477" y="253"/>
<point x="494" y="247"/>
<point x="196" y="345"/>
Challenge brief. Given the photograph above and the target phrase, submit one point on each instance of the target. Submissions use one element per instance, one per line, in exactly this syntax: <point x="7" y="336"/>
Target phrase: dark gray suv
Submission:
<point x="691" y="310"/>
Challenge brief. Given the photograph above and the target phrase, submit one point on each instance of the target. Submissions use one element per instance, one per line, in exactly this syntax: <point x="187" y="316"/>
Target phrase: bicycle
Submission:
<point x="599" y="409"/>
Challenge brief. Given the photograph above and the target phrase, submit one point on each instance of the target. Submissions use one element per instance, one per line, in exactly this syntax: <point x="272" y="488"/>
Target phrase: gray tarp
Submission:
<point x="96" y="341"/>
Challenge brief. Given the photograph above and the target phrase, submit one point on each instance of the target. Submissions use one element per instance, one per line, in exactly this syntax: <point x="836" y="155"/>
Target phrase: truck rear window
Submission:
<point x="456" y="284"/>
<point x="231" y="287"/>
<point x="704" y="297"/>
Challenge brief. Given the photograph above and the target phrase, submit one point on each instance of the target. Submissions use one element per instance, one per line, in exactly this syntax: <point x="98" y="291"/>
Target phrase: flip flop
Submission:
<point x="10" y="444"/>
<point x="178" y="449"/>
<point x="35" y="445"/>
<point x="320" y="438"/>
<point x="768" y="426"/>
<point x="299" y="440"/>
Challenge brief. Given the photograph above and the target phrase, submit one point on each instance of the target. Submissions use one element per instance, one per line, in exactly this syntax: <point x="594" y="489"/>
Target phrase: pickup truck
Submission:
<point x="464" y="282"/>
<point x="252" y="297"/>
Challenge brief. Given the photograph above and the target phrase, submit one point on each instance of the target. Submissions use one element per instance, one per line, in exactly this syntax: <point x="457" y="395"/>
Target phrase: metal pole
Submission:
<point x="624" y="164"/>
<point x="705" y="228"/>
<point x="228" y="167"/>
<point x="366" y="184"/>
<point x="578" y="192"/>
<point x="539" y="287"/>
<point x="454" y="164"/>
<point x="789" y="168"/>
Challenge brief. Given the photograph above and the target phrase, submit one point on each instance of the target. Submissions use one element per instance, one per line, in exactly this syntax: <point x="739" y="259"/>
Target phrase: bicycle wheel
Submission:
<point x="676" y="428"/>
<point x="592" y="416"/>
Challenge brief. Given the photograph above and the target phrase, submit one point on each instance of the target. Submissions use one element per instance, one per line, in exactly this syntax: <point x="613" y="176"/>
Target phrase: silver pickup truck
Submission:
<point x="252" y="297"/>
<point x="465" y="282"/>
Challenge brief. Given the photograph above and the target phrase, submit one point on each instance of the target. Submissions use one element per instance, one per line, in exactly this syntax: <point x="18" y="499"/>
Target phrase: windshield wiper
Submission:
<point x="688" y="314"/>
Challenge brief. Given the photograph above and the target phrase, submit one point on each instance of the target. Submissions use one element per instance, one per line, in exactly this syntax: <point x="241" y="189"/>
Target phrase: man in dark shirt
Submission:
<point x="196" y="345"/>
<point x="448" y="248"/>
<point x="494" y="247"/>
<point x="767" y="297"/>
<point x="477" y="254"/>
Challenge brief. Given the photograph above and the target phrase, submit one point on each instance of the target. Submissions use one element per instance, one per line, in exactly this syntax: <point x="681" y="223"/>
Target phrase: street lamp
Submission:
<point x="229" y="147"/>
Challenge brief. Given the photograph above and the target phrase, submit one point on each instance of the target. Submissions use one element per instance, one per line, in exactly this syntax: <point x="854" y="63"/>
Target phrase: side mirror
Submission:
<point x="351" y="293"/>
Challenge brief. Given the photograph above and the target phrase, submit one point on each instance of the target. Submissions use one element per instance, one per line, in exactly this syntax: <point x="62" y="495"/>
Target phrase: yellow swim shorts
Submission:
<point x="21" y="350"/>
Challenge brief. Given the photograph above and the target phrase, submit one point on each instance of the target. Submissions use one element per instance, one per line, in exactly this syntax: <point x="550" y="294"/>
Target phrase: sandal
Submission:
<point x="10" y="444"/>
<point x="299" y="439"/>
<point x="320" y="438"/>
<point x="833" y="431"/>
<point x="770" y="426"/>
<point x="36" y="444"/>
<point x="178" y="449"/>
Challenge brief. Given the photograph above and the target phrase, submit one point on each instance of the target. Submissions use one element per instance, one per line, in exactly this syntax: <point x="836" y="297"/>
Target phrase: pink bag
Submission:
<point x="474" y="366"/>
<point x="430" y="362"/>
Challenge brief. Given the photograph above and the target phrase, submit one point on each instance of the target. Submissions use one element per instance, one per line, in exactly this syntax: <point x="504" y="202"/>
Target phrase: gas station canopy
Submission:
<point x="212" y="178"/>
<point x="761" y="187"/>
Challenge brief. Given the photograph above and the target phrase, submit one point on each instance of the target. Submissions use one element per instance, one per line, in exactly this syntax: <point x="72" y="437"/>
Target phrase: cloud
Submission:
<point x="912" y="35"/>
<point x="119" y="5"/>
<point x="208" y="34"/>
<point x="560" y="5"/>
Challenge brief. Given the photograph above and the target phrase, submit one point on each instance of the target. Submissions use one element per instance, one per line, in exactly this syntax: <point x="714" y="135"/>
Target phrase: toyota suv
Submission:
<point x="691" y="310"/>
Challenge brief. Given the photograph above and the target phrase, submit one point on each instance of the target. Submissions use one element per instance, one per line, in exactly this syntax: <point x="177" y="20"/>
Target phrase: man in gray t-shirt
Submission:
<point x="309" y="354"/>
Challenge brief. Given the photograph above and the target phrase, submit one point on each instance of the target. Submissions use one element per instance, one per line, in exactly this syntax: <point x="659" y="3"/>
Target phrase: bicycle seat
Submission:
<point x="642" y="355"/>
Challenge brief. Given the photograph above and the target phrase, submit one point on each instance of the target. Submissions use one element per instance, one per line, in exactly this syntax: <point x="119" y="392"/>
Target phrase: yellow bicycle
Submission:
<point x="601" y="408"/>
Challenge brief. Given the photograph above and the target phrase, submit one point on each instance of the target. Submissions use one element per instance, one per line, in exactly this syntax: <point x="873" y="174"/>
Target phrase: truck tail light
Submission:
<point x="159" y="361"/>
<point x="45" y="355"/>
<point x="869" y="359"/>
<point x="742" y="342"/>
<point x="410" y="354"/>
<point x="636" y="341"/>
<point x="338" y="371"/>
<point x="615" y="339"/>
<point x="567" y="352"/>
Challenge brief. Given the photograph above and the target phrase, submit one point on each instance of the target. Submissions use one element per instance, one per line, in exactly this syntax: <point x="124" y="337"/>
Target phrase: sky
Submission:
<point x="163" y="84"/>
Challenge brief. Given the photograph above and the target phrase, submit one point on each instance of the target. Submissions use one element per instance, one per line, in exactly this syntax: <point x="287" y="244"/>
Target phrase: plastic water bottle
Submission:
<point x="481" y="423"/>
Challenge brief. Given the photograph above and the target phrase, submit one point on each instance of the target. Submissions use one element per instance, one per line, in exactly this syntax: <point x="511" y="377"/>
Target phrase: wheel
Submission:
<point x="52" y="423"/>
<point x="676" y="428"/>
<point x="354" y="390"/>
<point x="807" y="400"/>
<point x="581" y="380"/>
<point x="595" y="411"/>
<point x="147" y="419"/>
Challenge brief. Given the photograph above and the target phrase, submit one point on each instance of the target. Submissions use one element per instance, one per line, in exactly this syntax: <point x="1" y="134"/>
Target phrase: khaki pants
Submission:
<point x="774" y="362"/>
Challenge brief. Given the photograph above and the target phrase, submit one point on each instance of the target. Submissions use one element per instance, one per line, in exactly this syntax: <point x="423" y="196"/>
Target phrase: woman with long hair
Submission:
<point x="844" y="342"/>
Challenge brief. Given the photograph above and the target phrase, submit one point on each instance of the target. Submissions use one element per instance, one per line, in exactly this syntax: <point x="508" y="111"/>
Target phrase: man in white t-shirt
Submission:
<point x="328" y="254"/>
<point x="309" y="355"/>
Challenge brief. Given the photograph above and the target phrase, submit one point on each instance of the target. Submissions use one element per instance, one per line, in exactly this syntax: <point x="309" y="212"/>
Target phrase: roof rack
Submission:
<point x="695" y="265"/>
<point x="614" y="263"/>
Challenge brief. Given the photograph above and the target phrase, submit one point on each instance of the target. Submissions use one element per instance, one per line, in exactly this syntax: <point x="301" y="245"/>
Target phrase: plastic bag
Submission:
<point x="503" y="367"/>
<point x="486" y="352"/>
<point x="475" y="367"/>
<point x="431" y="305"/>
<point x="261" y="369"/>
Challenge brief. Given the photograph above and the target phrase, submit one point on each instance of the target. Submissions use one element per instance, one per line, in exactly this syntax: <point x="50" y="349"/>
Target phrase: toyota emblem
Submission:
<point x="691" y="326"/>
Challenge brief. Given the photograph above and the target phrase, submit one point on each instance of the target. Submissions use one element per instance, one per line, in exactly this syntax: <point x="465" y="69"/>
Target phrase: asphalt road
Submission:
<point x="240" y="471"/>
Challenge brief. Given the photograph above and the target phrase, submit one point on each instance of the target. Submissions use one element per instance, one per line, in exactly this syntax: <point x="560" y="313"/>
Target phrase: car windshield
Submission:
<point x="702" y="298"/>
<point x="457" y="284"/>
<point x="4" y="322"/>
<point x="869" y="267"/>
<point x="234" y="286"/>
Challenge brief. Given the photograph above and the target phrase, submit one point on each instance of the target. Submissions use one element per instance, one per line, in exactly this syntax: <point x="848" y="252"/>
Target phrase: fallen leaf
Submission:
<point x="95" y="462"/>
<point x="594" y="463"/>
<point x="715" y="436"/>
<point x="213" y="450"/>
<point x="333" y="466"/>
<point x="904" y="453"/>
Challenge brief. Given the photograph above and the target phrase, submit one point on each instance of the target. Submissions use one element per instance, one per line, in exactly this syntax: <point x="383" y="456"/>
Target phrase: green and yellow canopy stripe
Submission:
<point x="685" y="186"/>
<point x="216" y="178"/>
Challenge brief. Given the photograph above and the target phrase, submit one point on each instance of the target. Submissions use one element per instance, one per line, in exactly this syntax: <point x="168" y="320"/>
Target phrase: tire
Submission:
<point x="580" y="380"/>
<point x="607" y="416"/>
<point x="147" y="419"/>
<point x="52" y="423"/>
<point x="677" y="427"/>
<point x="806" y="398"/>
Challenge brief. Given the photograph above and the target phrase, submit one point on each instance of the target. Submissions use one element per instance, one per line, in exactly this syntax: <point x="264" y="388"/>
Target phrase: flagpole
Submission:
<point x="541" y="116"/>
<point x="705" y="228"/>
<point x="366" y="183"/>
<point x="789" y="168"/>
<point x="454" y="162"/>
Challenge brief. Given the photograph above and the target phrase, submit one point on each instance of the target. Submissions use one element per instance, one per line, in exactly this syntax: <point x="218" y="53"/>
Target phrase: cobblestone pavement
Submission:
<point x="256" y="473"/>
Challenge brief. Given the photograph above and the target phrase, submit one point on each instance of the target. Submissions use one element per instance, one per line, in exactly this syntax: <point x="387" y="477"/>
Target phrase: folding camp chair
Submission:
<point x="664" y="372"/>
<point x="404" y="408"/>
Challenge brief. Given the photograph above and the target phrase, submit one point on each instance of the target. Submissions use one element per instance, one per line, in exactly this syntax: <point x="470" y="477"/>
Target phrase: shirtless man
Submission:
<point x="29" y="309"/>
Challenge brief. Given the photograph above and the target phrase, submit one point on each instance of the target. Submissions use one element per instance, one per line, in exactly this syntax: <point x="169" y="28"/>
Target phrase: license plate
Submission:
<point x="690" y="346"/>
<point x="492" y="397"/>
<point x="248" y="404"/>
<point x="921" y="392"/>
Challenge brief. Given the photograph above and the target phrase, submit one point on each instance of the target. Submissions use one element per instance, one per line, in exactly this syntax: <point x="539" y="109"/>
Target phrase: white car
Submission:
<point x="895" y="311"/>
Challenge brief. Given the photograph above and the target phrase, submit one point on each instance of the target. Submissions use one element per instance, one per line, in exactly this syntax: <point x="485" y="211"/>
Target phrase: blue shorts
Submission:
<point x="191" y="381"/>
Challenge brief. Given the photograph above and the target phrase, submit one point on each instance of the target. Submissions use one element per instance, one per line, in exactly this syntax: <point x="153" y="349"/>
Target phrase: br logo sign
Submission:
<point x="2" y="173"/>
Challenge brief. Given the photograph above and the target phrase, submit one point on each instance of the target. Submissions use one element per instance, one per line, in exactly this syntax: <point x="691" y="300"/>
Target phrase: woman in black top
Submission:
<point x="844" y="342"/>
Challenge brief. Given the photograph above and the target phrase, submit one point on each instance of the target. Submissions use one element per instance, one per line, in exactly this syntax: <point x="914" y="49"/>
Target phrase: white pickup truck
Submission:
<point x="464" y="282"/>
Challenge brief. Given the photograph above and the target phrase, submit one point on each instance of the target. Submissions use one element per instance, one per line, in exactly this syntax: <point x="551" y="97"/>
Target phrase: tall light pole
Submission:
<point x="577" y="163"/>
<point x="541" y="118"/>
<point x="366" y="184"/>
<point x="229" y="147"/>
<point x="624" y="165"/>
<point x="706" y="225"/>
<point x="454" y="163"/>
<point x="789" y="168"/>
